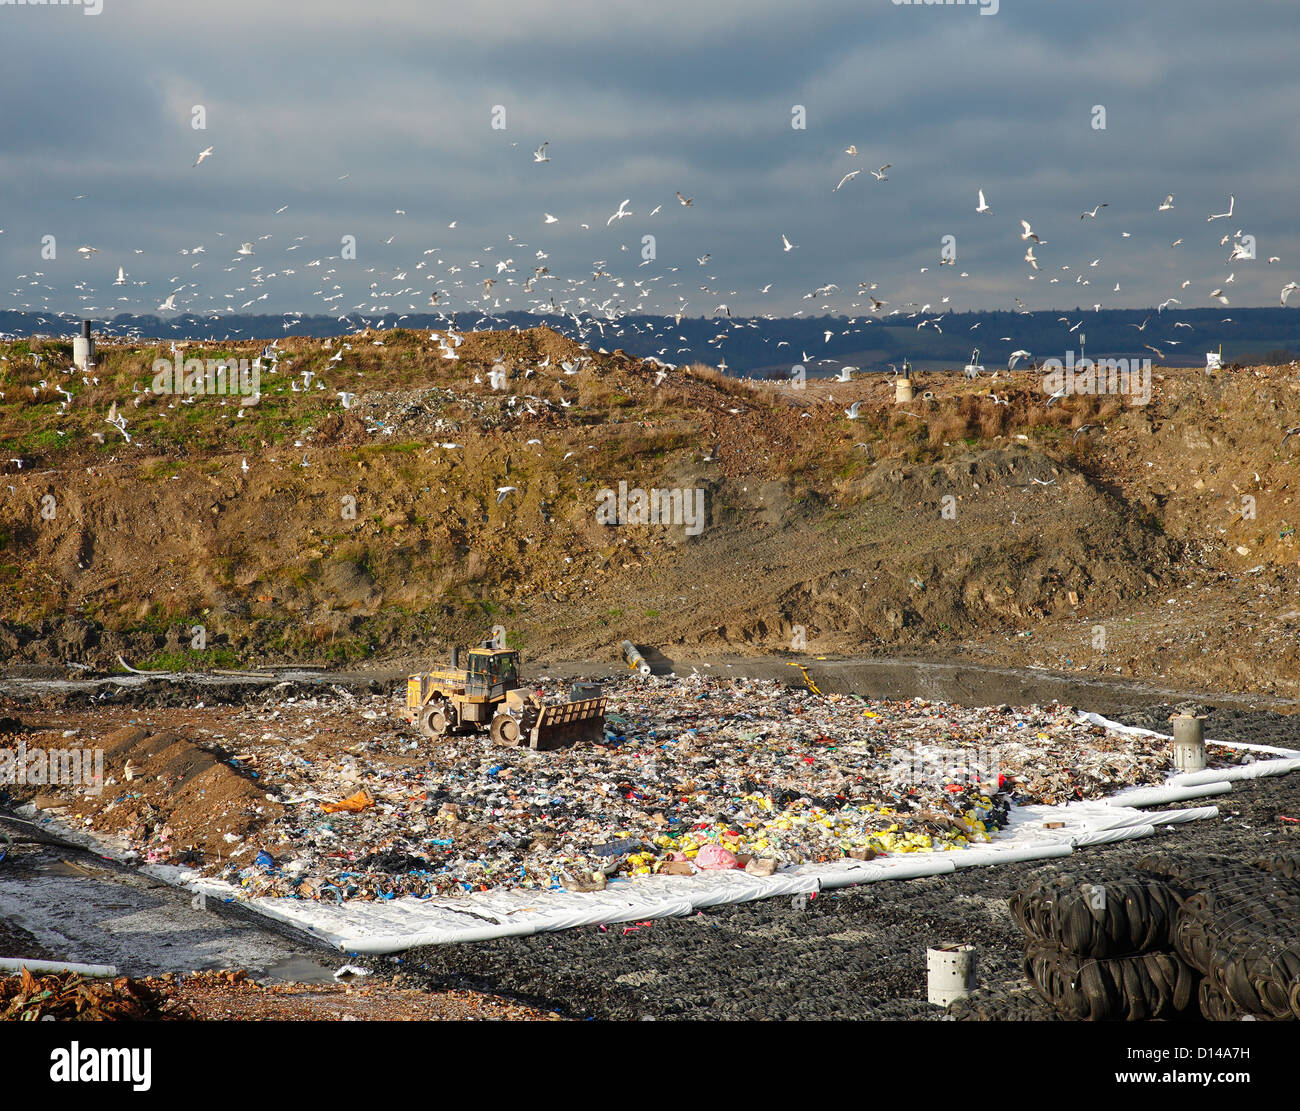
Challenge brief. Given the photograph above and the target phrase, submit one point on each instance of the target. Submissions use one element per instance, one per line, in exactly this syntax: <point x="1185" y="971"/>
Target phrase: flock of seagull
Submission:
<point x="516" y="275"/>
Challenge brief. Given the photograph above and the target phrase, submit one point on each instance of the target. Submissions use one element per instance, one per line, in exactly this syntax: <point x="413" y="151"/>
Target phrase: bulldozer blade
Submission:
<point x="568" y="723"/>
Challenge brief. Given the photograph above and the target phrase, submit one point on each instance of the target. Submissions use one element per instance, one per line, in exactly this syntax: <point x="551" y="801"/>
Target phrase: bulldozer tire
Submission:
<point x="435" y="722"/>
<point x="505" y="730"/>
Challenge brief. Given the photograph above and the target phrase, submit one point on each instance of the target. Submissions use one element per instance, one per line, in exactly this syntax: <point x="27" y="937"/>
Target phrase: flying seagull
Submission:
<point x="847" y="177"/>
<point x="1094" y="211"/>
<point x="1232" y="200"/>
<point x="622" y="211"/>
<point x="879" y="174"/>
<point x="1028" y="233"/>
<point x="688" y="201"/>
<point x="983" y="207"/>
<point x="202" y="155"/>
<point x="786" y="244"/>
<point x="1169" y="203"/>
<point x="540" y="155"/>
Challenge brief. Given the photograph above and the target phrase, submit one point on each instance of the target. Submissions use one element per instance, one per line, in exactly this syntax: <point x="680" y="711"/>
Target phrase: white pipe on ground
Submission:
<point x="1157" y="796"/>
<point x="56" y="968"/>
<point x="1241" y="771"/>
<point x="634" y="658"/>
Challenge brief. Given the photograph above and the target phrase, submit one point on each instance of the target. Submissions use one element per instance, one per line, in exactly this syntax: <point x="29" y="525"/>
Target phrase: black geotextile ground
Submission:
<point x="858" y="953"/>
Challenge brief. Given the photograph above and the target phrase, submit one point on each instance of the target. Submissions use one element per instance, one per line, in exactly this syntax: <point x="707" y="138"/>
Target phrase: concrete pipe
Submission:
<point x="634" y="658"/>
<point x="1189" y="743"/>
<point x="950" y="973"/>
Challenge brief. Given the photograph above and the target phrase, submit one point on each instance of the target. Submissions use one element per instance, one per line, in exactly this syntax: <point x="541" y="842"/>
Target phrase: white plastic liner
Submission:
<point x="1133" y="730"/>
<point x="393" y="925"/>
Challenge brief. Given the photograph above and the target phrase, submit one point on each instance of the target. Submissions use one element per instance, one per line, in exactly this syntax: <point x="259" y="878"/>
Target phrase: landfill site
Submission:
<point x="951" y="711"/>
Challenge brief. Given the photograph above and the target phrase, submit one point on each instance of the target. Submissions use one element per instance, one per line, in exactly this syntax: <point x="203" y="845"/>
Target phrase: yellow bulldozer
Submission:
<point x="486" y="692"/>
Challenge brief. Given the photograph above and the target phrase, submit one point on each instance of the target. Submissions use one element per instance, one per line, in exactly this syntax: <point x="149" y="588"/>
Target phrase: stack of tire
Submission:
<point x="1103" y="949"/>
<point x="1239" y="928"/>
<point x="1177" y="938"/>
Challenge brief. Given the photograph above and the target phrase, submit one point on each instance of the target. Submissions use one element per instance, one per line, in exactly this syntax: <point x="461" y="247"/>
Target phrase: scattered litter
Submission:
<point x="353" y="804"/>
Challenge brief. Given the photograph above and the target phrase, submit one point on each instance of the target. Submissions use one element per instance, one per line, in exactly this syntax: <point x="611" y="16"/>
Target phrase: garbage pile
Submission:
<point x="692" y="774"/>
<point x="71" y="997"/>
<point x="1212" y="939"/>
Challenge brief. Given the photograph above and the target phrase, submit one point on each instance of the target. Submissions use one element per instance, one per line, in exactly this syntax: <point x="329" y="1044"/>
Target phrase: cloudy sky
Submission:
<point x="638" y="100"/>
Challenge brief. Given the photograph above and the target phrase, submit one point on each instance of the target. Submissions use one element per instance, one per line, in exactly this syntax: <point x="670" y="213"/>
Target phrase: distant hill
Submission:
<point x="760" y="347"/>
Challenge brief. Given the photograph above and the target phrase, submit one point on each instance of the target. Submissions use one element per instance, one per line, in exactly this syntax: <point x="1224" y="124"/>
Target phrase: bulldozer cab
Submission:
<point x="491" y="673"/>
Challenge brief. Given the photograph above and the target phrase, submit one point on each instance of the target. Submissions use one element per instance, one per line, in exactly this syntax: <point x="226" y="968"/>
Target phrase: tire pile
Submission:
<point x="1104" y="950"/>
<point x="1240" y="930"/>
<point x="1175" y="939"/>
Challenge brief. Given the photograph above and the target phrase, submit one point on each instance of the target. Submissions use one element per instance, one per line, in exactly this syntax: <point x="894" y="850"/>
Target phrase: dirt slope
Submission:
<point x="298" y="529"/>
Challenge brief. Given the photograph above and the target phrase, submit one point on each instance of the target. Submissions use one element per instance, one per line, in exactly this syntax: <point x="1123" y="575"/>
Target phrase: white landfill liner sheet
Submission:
<point x="389" y="926"/>
<point x="1117" y="727"/>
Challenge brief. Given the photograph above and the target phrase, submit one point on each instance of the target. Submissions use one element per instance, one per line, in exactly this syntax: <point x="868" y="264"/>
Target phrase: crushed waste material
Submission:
<point x="341" y="799"/>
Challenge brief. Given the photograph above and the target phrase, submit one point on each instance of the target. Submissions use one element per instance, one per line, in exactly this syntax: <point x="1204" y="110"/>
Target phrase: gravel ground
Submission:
<point x="858" y="953"/>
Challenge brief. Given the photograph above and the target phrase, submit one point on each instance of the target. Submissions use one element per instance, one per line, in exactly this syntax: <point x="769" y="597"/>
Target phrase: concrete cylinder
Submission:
<point x="1189" y="743"/>
<point x="83" y="348"/>
<point x="902" y="391"/>
<point x="634" y="658"/>
<point x="951" y="973"/>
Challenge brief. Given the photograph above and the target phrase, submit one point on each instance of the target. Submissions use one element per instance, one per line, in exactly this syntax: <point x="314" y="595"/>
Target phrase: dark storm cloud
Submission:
<point x="638" y="101"/>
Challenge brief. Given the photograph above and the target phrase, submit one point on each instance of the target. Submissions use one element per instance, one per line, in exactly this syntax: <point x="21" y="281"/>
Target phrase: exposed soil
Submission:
<point x="233" y="997"/>
<point x="1149" y="542"/>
